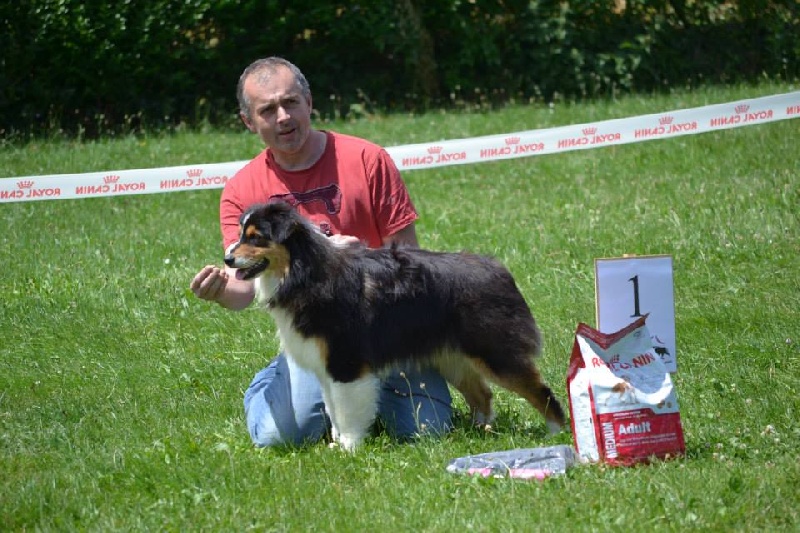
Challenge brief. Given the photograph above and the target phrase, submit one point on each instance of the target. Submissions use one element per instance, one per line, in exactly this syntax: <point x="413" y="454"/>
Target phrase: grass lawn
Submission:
<point x="121" y="394"/>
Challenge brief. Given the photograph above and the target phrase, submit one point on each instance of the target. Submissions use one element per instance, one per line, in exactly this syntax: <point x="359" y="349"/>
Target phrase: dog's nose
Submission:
<point x="230" y="260"/>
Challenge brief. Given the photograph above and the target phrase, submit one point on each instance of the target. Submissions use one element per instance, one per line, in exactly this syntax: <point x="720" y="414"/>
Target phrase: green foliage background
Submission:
<point x="97" y="68"/>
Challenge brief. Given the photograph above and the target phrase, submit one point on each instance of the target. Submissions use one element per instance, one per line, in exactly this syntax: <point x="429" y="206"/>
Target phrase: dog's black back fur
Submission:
<point x="378" y="307"/>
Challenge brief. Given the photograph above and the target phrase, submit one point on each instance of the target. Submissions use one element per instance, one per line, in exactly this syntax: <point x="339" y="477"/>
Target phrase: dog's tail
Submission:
<point x="517" y="372"/>
<point x="528" y="383"/>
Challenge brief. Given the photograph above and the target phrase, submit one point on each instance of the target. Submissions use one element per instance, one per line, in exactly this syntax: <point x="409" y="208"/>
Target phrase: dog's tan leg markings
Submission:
<point x="526" y="381"/>
<point x="462" y="375"/>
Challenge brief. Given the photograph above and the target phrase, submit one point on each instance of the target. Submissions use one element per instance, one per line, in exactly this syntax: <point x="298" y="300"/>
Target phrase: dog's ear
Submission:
<point x="283" y="227"/>
<point x="282" y="220"/>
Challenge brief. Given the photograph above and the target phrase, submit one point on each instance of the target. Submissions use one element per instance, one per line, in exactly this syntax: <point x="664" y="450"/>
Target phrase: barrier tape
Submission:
<point x="426" y="155"/>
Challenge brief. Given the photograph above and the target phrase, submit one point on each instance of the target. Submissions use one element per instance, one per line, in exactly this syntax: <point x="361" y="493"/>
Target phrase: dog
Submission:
<point x="350" y="313"/>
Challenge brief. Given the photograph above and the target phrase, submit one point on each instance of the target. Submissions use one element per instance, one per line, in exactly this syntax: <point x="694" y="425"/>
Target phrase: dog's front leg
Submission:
<point x="352" y="407"/>
<point x="326" y="399"/>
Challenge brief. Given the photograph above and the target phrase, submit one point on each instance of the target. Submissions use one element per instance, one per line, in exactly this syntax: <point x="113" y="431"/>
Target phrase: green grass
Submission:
<point x="120" y="393"/>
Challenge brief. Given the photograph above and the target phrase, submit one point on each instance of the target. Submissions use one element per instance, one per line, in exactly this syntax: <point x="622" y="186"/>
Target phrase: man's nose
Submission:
<point x="281" y="114"/>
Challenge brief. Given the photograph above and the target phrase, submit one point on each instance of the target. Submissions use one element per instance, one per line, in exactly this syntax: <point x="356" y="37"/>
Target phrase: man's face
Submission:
<point x="279" y="112"/>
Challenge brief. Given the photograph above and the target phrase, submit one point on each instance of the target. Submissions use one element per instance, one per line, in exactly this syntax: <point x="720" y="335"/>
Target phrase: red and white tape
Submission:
<point x="426" y="155"/>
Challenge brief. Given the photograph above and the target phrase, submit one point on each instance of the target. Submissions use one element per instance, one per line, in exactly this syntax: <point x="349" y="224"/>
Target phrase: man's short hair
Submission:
<point x="264" y="68"/>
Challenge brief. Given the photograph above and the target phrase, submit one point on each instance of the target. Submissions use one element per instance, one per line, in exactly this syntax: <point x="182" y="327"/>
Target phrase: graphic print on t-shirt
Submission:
<point x="330" y="195"/>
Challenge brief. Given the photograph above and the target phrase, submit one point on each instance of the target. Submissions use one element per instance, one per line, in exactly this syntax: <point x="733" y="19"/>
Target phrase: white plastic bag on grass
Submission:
<point x="522" y="463"/>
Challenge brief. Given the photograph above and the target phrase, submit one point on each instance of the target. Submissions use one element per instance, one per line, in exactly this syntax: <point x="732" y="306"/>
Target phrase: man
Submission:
<point x="352" y="190"/>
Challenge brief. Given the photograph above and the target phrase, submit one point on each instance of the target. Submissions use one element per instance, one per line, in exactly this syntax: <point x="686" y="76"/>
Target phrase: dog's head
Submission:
<point x="263" y="232"/>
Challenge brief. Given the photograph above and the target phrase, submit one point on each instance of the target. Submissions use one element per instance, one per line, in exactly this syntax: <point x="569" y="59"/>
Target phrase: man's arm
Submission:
<point x="406" y="236"/>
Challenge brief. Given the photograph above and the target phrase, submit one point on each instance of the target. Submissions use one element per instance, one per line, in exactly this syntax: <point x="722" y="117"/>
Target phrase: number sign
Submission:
<point x="627" y="288"/>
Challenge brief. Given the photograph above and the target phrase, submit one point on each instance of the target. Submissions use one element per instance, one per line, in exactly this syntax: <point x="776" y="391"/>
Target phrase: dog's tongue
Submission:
<point x="239" y="274"/>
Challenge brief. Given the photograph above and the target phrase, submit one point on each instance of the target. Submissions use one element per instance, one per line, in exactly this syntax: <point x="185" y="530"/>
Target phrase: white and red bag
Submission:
<point x="623" y="406"/>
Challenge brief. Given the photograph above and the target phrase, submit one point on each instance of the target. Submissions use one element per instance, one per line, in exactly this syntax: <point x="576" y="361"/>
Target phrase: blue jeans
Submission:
<point x="283" y="404"/>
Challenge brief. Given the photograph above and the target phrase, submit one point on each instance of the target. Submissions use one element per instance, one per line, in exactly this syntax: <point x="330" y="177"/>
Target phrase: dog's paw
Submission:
<point x="483" y="420"/>
<point x="349" y="443"/>
<point x="554" y="427"/>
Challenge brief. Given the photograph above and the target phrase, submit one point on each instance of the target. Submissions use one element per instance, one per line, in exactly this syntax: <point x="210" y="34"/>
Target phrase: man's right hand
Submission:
<point x="219" y="285"/>
<point x="209" y="283"/>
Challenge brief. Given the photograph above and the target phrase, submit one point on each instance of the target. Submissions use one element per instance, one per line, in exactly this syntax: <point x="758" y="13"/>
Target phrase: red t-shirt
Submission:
<point x="353" y="189"/>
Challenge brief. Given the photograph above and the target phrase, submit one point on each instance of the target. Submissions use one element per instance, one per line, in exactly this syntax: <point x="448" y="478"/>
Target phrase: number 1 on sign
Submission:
<point x="635" y="280"/>
<point x="649" y="279"/>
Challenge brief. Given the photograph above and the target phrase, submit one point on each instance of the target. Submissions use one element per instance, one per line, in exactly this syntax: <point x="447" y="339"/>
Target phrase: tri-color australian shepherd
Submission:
<point x="349" y="313"/>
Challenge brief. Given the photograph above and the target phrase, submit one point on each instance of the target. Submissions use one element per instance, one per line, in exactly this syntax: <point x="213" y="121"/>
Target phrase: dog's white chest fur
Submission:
<point x="350" y="406"/>
<point x="305" y="351"/>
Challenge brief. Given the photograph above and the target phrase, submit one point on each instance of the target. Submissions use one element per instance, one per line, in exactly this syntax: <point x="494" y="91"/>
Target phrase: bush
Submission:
<point x="88" y="69"/>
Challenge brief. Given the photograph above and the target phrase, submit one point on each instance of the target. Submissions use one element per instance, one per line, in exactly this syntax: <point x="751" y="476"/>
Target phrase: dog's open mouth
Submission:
<point x="251" y="271"/>
<point x="246" y="269"/>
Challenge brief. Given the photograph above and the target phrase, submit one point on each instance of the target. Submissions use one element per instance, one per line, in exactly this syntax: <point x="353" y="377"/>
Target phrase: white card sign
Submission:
<point x="627" y="288"/>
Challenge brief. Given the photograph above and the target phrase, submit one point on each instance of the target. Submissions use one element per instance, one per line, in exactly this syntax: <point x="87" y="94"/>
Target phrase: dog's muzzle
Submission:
<point x="246" y="268"/>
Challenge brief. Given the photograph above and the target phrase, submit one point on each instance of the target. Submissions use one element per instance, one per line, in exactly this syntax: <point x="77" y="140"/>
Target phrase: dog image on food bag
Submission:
<point x="347" y="313"/>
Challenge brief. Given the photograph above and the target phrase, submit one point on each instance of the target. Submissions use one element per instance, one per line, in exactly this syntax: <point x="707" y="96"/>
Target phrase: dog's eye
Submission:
<point x="252" y="235"/>
<point x="257" y="239"/>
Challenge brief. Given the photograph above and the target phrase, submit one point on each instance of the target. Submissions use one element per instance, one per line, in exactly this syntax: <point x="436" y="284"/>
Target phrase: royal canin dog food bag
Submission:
<point x="623" y="406"/>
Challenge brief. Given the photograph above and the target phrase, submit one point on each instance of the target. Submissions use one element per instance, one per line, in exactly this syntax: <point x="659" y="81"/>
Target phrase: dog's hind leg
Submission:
<point x="352" y="408"/>
<point x="462" y="375"/>
<point x="521" y="376"/>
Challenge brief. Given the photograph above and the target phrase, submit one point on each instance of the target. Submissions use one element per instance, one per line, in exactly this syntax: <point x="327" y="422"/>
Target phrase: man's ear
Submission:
<point x="247" y="122"/>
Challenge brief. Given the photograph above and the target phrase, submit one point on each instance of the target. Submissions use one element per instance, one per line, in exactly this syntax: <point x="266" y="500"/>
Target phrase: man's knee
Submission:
<point x="415" y="404"/>
<point x="264" y="433"/>
<point x="425" y="417"/>
<point x="294" y="429"/>
<point x="282" y="409"/>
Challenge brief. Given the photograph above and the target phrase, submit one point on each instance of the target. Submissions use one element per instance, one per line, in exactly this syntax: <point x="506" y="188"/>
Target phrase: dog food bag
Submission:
<point x="623" y="406"/>
<point x="522" y="463"/>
